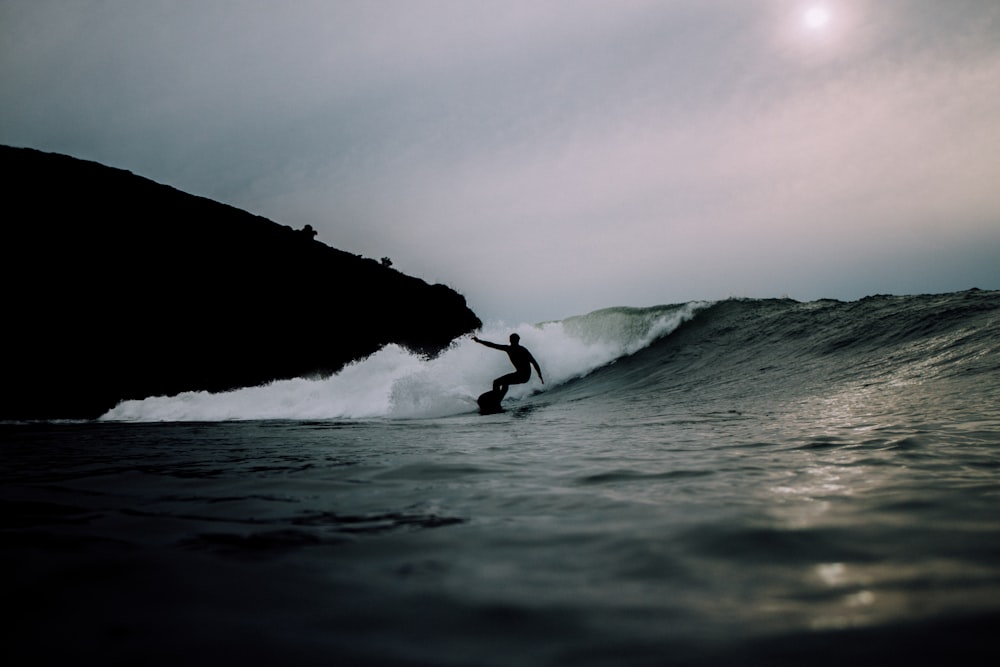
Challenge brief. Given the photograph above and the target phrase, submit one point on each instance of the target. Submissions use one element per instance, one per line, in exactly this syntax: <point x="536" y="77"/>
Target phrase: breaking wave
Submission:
<point x="396" y="383"/>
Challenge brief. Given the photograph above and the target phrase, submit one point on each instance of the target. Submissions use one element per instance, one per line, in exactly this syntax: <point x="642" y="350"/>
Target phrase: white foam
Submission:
<point x="395" y="383"/>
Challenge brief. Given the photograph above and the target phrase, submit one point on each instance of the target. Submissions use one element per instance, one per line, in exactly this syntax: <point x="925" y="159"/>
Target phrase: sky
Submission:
<point x="549" y="158"/>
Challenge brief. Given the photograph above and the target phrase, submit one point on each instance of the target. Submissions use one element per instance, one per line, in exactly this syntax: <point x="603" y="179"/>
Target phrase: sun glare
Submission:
<point x="816" y="17"/>
<point x="818" y="31"/>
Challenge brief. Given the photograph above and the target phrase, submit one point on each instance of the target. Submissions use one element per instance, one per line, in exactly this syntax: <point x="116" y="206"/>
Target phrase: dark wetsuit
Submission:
<point x="522" y="360"/>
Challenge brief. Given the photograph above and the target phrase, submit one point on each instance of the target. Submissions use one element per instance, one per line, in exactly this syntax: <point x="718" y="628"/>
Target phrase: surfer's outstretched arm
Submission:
<point x="489" y="344"/>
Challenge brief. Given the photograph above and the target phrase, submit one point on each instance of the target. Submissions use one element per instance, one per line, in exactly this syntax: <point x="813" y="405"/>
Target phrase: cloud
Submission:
<point x="545" y="157"/>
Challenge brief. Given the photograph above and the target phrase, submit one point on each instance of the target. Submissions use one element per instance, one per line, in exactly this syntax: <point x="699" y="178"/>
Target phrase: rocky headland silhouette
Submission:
<point x="118" y="287"/>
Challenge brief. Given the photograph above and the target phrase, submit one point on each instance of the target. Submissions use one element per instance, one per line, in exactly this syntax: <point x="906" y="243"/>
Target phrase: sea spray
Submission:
<point x="396" y="383"/>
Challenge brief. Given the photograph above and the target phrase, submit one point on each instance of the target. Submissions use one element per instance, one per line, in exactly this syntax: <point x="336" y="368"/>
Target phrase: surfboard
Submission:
<point x="489" y="403"/>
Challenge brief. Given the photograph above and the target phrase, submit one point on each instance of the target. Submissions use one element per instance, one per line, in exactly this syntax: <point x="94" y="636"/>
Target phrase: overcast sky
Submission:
<point x="548" y="158"/>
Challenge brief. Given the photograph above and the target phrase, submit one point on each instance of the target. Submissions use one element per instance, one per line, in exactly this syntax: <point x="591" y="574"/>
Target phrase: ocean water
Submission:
<point x="748" y="482"/>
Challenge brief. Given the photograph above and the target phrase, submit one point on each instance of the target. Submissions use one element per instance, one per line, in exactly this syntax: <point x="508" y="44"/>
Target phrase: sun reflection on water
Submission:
<point x="863" y="469"/>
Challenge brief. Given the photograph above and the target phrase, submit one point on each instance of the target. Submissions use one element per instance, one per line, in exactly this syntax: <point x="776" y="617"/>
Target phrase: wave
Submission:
<point x="771" y="352"/>
<point x="696" y="355"/>
<point x="396" y="383"/>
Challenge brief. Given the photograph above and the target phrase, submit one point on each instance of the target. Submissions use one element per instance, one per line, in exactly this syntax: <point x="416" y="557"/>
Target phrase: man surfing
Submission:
<point x="522" y="360"/>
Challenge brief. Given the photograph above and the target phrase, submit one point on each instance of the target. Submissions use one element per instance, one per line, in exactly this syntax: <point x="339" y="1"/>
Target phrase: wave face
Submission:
<point x="760" y="354"/>
<point x="395" y="383"/>
<point x="743" y="353"/>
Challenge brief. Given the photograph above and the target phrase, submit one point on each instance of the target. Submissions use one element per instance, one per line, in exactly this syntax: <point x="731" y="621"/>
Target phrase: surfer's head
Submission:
<point x="514" y="338"/>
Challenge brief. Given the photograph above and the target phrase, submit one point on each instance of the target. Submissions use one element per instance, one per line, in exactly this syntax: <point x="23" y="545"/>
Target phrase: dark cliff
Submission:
<point x="116" y="287"/>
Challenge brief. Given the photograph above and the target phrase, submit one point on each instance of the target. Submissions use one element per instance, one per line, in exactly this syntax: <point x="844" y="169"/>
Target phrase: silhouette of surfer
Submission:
<point x="522" y="360"/>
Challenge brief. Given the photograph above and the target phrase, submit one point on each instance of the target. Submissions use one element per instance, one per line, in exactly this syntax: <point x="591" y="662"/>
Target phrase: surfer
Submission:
<point x="522" y="360"/>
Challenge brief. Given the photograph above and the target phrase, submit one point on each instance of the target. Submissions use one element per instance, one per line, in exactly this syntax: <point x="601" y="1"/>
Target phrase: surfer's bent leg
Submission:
<point x="501" y="384"/>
